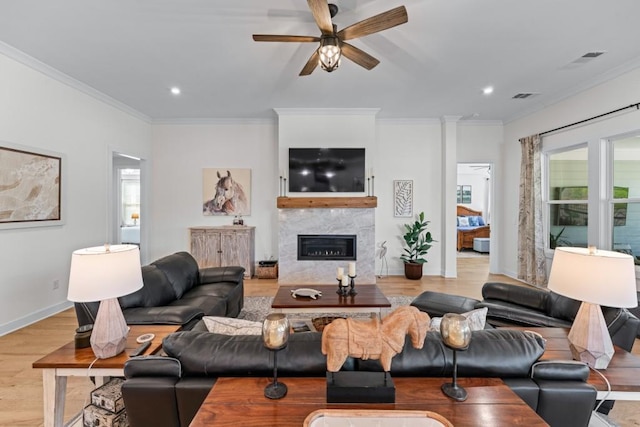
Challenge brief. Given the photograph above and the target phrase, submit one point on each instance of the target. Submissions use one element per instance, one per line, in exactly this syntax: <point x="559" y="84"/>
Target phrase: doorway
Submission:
<point x="474" y="186"/>
<point x="127" y="206"/>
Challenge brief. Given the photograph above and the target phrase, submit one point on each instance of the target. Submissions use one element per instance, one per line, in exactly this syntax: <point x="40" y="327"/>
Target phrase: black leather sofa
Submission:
<point x="510" y="305"/>
<point x="167" y="391"/>
<point x="177" y="292"/>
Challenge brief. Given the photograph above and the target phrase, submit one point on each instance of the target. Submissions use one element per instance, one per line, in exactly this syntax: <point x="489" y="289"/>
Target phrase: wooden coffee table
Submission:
<point x="240" y="401"/>
<point x="369" y="299"/>
<point x="68" y="361"/>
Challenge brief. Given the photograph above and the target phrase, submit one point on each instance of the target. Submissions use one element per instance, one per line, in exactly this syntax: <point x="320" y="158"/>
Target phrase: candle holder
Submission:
<point x="342" y="290"/>
<point x="456" y="334"/>
<point x="352" y="285"/>
<point x="275" y="335"/>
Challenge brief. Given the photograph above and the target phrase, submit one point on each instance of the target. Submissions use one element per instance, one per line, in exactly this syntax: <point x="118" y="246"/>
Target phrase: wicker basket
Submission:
<point x="267" y="272"/>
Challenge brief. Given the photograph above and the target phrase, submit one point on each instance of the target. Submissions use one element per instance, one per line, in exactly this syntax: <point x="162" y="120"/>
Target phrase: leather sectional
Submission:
<point x="167" y="391"/>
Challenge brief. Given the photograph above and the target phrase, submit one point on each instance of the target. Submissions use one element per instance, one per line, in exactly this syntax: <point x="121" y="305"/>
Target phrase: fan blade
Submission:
<point x="320" y="11"/>
<point x="311" y="64"/>
<point x="358" y="56"/>
<point x="285" y="38"/>
<point x="377" y="23"/>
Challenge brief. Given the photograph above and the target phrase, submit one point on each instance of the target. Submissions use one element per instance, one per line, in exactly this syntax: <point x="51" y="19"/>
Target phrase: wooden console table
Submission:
<point x="241" y="401"/>
<point x="67" y="361"/>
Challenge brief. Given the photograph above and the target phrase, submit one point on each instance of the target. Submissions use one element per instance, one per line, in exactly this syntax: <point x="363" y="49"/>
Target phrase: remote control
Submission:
<point x="141" y="349"/>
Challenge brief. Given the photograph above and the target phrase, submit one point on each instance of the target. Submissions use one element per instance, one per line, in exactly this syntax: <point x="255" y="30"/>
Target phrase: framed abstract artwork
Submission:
<point x="226" y="191"/>
<point x="30" y="187"/>
<point x="402" y="198"/>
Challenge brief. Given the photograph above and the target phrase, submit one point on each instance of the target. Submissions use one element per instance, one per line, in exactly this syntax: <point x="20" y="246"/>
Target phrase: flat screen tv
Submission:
<point x="330" y="170"/>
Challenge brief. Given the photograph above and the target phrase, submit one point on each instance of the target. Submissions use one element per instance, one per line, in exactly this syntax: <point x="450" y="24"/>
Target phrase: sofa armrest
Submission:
<point x="560" y="370"/>
<point x="221" y="274"/>
<point x="623" y="326"/>
<point x="149" y="391"/>
<point x="166" y="315"/>
<point x="526" y="296"/>
<point x="152" y="366"/>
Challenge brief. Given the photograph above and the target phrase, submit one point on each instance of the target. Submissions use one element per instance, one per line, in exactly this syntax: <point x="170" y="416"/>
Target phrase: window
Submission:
<point x="568" y="197"/>
<point x="130" y="196"/>
<point x="624" y="196"/>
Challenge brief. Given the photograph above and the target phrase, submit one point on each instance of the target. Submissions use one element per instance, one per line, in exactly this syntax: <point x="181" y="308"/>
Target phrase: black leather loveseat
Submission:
<point x="167" y="391"/>
<point x="177" y="292"/>
<point x="509" y="305"/>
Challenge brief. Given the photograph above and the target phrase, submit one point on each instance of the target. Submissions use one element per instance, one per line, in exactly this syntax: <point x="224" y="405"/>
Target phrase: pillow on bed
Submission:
<point x="473" y="221"/>
<point x="463" y="221"/>
<point x="481" y="221"/>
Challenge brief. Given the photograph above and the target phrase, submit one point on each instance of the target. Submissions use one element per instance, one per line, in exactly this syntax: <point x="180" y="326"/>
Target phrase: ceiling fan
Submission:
<point x="333" y="43"/>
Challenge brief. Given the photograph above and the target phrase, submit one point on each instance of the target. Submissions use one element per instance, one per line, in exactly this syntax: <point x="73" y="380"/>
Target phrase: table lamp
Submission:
<point x="596" y="278"/>
<point x="103" y="274"/>
<point x="135" y="217"/>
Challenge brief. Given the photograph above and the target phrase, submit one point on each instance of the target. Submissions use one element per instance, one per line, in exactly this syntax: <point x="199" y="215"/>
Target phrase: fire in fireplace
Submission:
<point x="326" y="247"/>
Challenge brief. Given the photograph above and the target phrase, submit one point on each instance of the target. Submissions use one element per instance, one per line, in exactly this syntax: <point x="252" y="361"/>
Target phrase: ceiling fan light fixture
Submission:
<point x="329" y="53"/>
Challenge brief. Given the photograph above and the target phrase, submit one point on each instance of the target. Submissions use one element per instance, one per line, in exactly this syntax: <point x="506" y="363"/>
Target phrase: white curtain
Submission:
<point x="532" y="266"/>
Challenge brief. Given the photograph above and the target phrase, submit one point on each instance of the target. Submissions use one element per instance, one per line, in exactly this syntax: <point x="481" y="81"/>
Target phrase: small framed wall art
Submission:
<point x="464" y="194"/>
<point x="30" y="187"/>
<point x="403" y="198"/>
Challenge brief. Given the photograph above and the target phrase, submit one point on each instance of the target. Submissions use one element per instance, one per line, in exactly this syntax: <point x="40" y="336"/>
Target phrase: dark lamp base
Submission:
<point x="275" y="390"/>
<point x="454" y="391"/>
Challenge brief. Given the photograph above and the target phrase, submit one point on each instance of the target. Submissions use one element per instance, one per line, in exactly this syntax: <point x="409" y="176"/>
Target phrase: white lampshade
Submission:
<point x="104" y="272"/>
<point x="594" y="276"/>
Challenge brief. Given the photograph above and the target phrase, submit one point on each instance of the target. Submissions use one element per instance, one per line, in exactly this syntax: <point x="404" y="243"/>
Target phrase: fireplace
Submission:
<point x="327" y="247"/>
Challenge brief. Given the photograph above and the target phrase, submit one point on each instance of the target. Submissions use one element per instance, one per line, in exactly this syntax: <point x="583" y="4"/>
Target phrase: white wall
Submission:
<point x="605" y="97"/>
<point x="39" y="112"/>
<point x="180" y="152"/>
<point x="409" y="150"/>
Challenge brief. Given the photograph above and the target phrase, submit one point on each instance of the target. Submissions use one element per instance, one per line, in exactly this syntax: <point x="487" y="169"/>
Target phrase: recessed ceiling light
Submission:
<point x="175" y="90"/>
<point x="488" y="90"/>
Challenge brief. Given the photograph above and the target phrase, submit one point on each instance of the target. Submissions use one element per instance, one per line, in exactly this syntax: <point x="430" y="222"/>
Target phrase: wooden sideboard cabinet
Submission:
<point x="224" y="246"/>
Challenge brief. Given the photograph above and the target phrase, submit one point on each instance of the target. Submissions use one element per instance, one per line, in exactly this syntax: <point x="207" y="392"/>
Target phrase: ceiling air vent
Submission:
<point x="587" y="57"/>
<point x="524" y="95"/>
<point x="590" y="55"/>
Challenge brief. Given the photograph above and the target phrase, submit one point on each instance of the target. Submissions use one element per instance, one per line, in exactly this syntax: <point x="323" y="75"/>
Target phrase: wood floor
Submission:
<point x="21" y="386"/>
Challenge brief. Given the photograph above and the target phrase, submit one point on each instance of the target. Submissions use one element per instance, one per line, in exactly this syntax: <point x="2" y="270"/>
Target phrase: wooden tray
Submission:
<point x="381" y="418"/>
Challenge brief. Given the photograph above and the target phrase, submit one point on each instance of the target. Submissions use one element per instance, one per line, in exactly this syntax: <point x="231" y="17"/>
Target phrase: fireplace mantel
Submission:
<point x="326" y="202"/>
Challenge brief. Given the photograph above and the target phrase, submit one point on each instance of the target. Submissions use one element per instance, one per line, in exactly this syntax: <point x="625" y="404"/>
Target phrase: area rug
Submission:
<point x="257" y="308"/>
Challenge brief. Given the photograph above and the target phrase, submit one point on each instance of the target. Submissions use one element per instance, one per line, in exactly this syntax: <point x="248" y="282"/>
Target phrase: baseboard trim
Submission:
<point x="34" y="317"/>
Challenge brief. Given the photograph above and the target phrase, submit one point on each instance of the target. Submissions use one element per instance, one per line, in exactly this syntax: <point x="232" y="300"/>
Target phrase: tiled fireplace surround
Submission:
<point x="292" y="222"/>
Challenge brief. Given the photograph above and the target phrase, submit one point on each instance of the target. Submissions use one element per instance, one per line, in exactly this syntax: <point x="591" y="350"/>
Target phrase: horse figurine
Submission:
<point x="373" y="339"/>
<point x="229" y="198"/>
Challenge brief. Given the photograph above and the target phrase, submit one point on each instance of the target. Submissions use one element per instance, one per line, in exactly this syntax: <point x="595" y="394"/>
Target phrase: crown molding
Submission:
<point x="31" y="62"/>
<point x="326" y="111"/>
<point x="409" y="121"/>
<point x="215" y="121"/>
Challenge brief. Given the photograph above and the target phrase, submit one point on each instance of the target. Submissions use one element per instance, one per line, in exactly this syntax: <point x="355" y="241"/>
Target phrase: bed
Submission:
<point x="466" y="233"/>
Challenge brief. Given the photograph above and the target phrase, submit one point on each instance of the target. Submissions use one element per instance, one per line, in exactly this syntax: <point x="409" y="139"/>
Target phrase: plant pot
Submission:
<point x="413" y="270"/>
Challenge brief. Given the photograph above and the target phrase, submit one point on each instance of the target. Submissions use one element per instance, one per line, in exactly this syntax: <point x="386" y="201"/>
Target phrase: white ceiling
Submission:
<point x="435" y="65"/>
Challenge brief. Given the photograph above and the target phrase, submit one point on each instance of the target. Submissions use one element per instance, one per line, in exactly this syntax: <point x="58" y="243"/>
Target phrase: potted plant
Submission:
<point x="418" y="241"/>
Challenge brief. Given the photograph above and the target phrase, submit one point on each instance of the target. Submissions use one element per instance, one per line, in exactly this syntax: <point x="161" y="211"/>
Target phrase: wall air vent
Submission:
<point x="524" y="95"/>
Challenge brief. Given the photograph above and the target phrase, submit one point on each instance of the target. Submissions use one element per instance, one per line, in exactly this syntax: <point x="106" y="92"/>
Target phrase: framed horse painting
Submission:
<point x="226" y="191"/>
